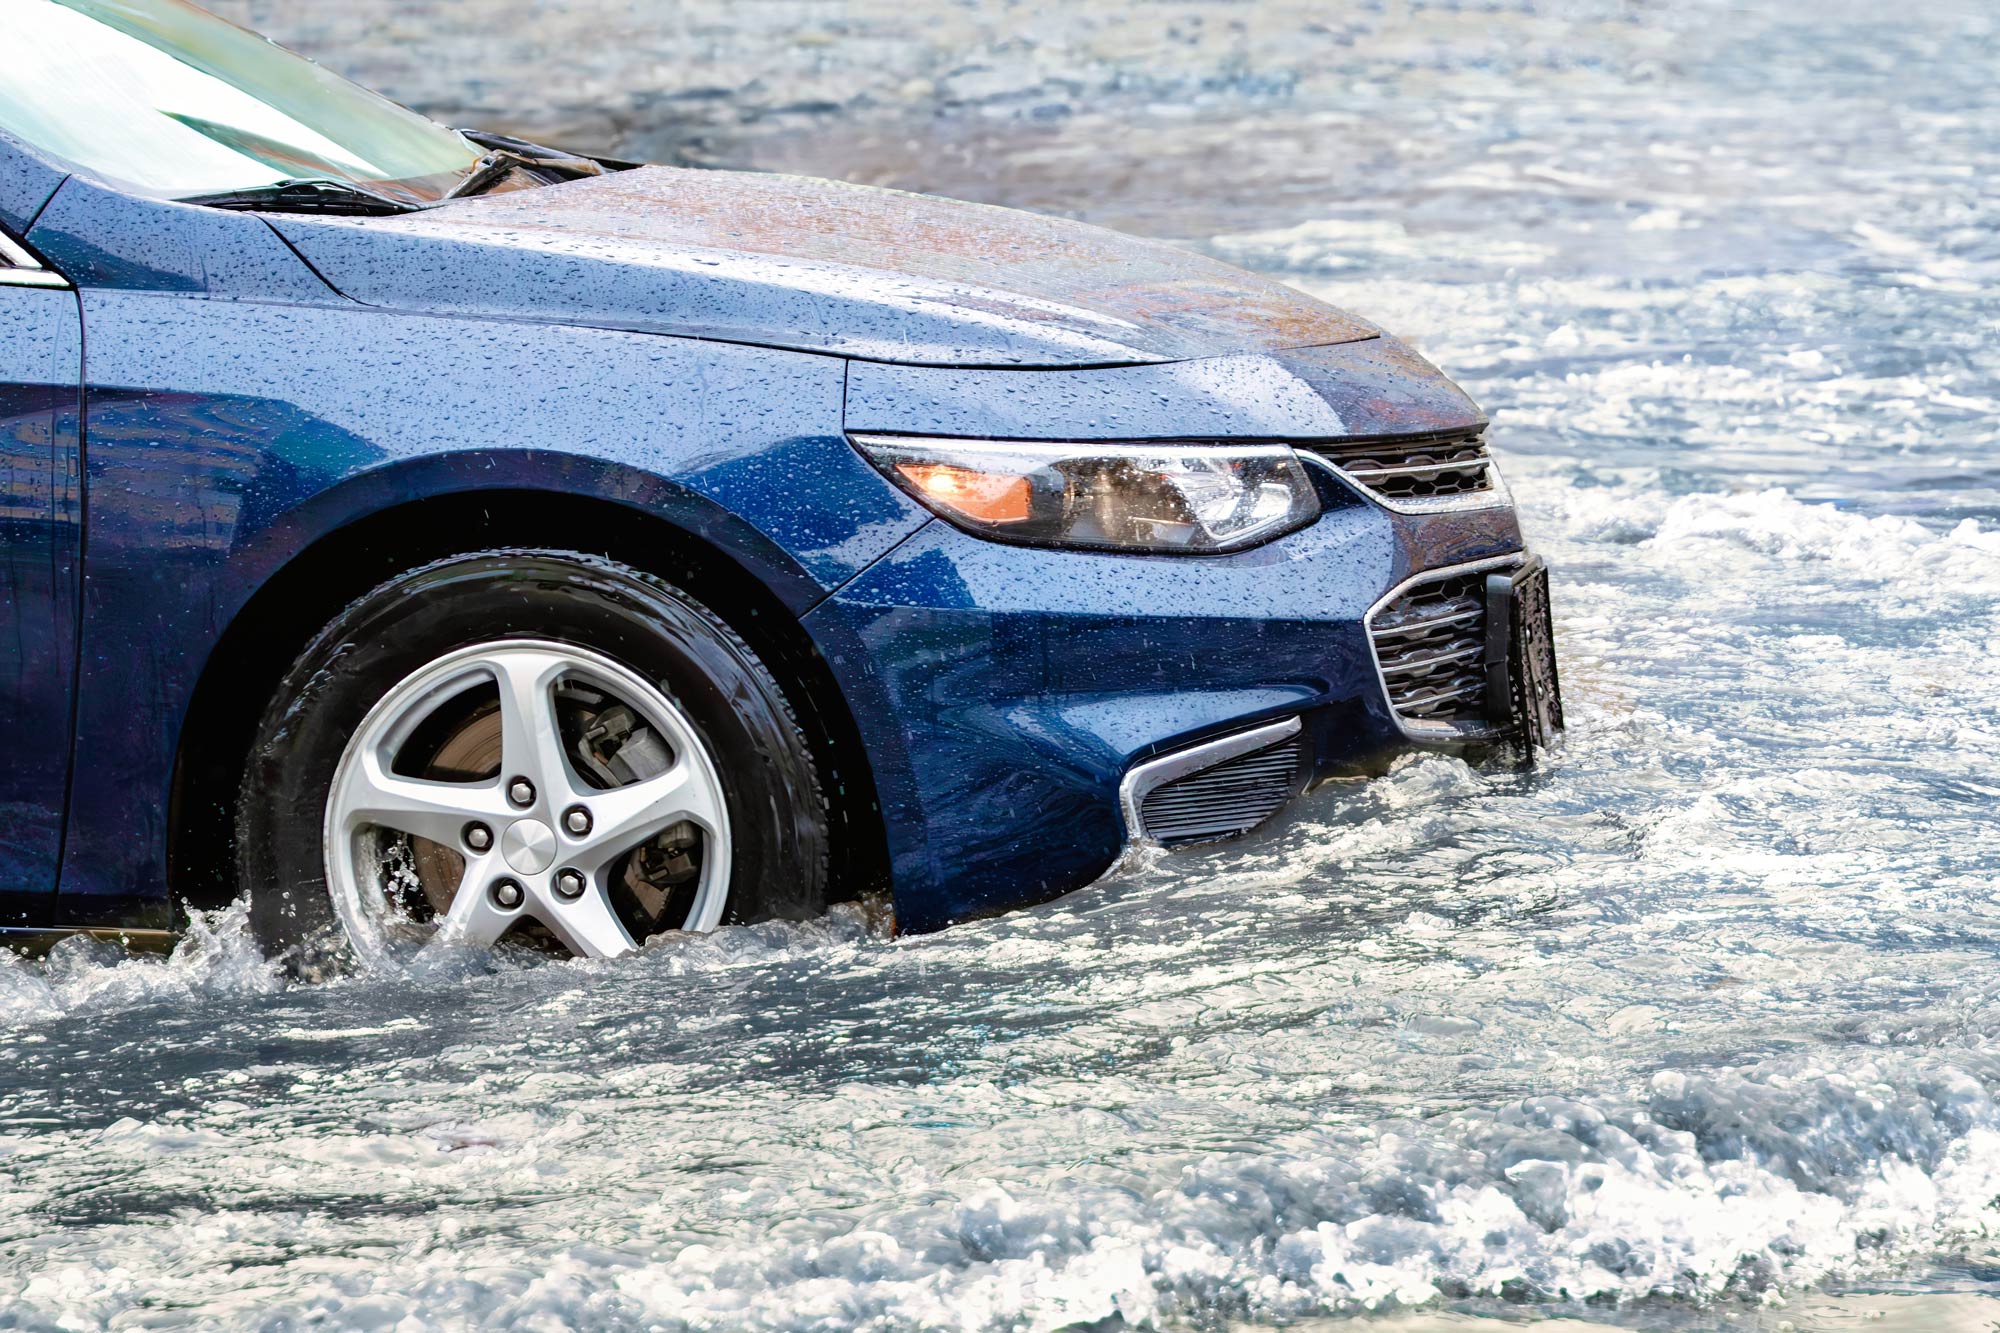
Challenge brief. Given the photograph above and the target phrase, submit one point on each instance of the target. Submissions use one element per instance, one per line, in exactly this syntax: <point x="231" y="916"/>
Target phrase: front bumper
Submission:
<point x="1005" y="693"/>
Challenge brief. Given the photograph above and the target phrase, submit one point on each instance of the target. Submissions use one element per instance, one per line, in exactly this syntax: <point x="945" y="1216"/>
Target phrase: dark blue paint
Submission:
<point x="1020" y="684"/>
<point x="782" y="261"/>
<point x="103" y="239"/>
<point x="40" y="359"/>
<point x="1372" y="387"/>
<point x="243" y="404"/>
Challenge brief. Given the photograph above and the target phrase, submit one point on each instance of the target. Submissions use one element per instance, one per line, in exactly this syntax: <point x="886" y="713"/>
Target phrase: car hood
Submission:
<point x="785" y="261"/>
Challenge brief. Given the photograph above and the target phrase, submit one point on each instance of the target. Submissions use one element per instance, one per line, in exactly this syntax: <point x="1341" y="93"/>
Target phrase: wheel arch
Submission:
<point x="297" y="594"/>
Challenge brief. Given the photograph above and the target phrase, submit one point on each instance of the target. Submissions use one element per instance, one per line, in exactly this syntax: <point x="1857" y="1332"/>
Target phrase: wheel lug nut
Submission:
<point x="478" y="837"/>
<point x="577" y="820"/>
<point x="521" y="792"/>
<point x="569" y="884"/>
<point x="507" y="895"/>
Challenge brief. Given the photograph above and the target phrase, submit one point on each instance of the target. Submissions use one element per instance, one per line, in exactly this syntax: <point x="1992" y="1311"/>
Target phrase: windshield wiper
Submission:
<point x="506" y="155"/>
<point x="306" y="196"/>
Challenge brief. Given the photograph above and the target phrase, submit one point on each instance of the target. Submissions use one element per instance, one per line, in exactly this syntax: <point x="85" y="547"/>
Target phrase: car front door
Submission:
<point x="41" y="356"/>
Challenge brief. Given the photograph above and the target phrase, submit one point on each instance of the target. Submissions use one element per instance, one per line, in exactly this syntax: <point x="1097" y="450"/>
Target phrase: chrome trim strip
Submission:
<point x="1433" y="732"/>
<point x="1426" y="663"/>
<point x="1419" y="469"/>
<point x="18" y="268"/>
<point x="14" y="256"/>
<point x="1432" y="622"/>
<point x="1142" y="779"/>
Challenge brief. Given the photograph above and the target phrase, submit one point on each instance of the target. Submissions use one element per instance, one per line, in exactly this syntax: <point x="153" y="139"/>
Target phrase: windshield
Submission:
<point x="171" y="101"/>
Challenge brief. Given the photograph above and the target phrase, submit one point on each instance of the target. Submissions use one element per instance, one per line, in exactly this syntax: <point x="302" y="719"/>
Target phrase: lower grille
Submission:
<point x="1441" y="465"/>
<point x="1225" y="799"/>
<point x="1430" y="642"/>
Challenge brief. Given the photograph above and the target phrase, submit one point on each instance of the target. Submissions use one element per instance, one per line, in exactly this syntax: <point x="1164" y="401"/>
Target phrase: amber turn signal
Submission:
<point x="985" y="497"/>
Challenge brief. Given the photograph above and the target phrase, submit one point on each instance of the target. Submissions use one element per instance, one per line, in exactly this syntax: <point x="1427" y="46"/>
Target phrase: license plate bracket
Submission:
<point x="1523" y="691"/>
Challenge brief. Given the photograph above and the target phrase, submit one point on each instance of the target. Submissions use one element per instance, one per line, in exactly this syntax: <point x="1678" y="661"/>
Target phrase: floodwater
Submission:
<point x="1693" y="1025"/>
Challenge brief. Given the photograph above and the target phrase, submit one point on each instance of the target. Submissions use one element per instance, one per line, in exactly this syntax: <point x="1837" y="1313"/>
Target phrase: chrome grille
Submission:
<point x="1222" y="801"/>
<point x="1430" y="642"/>
<point x="1441" y="465"/>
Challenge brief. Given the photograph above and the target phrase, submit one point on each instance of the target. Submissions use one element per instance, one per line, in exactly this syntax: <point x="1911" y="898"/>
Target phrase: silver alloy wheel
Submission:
<point x="517" y="831"/>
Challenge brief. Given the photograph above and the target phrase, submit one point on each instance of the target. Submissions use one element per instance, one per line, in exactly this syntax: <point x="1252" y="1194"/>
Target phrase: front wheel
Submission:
<point x="542" y="747"/>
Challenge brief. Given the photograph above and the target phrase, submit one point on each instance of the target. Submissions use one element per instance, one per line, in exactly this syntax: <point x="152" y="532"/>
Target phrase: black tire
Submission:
<point x="777" y="811"/>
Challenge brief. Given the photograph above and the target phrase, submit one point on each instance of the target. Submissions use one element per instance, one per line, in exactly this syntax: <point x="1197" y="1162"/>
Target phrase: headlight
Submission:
<point x="1123" y="497"/>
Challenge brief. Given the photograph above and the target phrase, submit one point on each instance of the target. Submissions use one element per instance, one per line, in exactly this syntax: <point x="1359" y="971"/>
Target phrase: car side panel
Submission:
<point x="225" y="436"/>
<point x="41" y="356"/>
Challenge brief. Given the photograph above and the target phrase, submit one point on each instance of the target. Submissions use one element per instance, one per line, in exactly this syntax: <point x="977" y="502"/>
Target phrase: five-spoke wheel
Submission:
<point x="535" y="747"/>
<point x="594" y="779"/>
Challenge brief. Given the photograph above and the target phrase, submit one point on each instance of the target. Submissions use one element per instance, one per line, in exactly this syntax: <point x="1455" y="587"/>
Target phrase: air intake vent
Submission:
<point x="1431" y="644"/>
<point x="1442" y="465"/>
<point x="1224" y="799"/>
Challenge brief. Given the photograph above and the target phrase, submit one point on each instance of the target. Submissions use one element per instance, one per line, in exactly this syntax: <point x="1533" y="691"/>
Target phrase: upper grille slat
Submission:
<point x="1449" y="622"/>
<point x="1438" y="465"/>
<point x="1371" y="472"/>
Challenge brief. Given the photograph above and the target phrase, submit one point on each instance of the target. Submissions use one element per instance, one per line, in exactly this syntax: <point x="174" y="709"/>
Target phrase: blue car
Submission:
<point x="433" y="536"/>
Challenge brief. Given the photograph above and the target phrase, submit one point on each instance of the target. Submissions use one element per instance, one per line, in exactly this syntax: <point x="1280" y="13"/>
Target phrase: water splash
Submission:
<point x="216" y="957"/>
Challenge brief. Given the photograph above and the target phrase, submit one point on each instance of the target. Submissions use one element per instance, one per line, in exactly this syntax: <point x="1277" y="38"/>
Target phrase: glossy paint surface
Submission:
<point x="244" y="405"/>
<point x="1045" y="674"/>
<point x="816" y="265"/>
<point x="104" y="240"/>
<point x="1369" y="387"/>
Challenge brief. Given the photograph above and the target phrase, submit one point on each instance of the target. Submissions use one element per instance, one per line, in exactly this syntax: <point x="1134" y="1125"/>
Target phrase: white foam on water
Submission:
<point x="1886" y="548"/>
<point x="1724" y="1184"/>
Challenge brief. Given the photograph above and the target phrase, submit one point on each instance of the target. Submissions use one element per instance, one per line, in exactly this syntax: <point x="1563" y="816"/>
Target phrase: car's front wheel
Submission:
<point x="542" y="746"/>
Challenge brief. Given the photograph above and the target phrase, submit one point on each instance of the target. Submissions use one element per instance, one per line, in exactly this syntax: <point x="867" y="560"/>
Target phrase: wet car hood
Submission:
<point x="785" y="261"/>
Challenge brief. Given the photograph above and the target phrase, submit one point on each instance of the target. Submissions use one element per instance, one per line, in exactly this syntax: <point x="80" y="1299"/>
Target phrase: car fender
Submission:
<point x="227" y="435"/>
